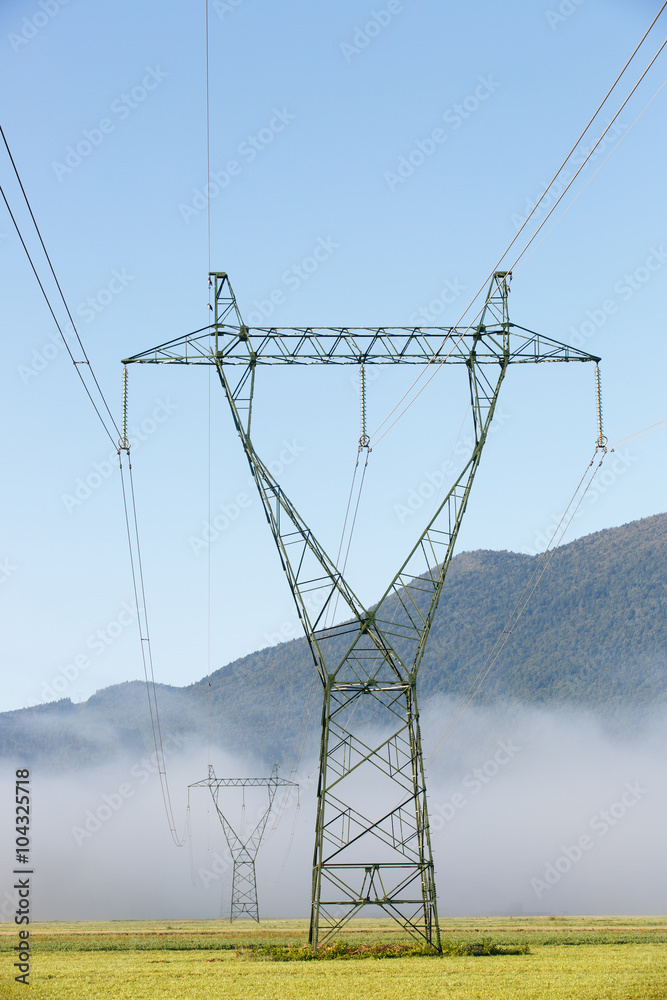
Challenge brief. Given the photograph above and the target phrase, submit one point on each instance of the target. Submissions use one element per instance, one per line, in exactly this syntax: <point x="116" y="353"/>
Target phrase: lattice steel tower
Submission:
<point x="372" y="842"/>
<point x="243" y="847"/>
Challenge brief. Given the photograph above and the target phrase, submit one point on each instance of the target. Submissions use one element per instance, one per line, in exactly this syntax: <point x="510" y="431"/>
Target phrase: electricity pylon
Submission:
<point x="243" y="847"/>
<point x="372" y="841"/>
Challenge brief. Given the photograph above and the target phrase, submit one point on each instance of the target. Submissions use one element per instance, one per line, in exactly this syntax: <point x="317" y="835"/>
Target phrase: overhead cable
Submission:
<point x="97" y="406"/>
<point x="504" y="254"/>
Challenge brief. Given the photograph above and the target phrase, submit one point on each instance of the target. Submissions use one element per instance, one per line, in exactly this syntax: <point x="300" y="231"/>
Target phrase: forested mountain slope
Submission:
<point x="594" y="635"/>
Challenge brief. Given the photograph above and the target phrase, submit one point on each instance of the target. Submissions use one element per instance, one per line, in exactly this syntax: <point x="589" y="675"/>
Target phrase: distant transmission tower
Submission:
<point x="243" y="847"/>
<point x="372" y="842"/>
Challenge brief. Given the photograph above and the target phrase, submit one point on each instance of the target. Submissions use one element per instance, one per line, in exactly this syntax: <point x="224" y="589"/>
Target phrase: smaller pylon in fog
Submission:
<point x="244" y="847"/>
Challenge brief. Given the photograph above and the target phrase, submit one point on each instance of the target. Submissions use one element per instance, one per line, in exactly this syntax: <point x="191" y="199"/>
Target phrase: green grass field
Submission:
<point x="582" y="958"/>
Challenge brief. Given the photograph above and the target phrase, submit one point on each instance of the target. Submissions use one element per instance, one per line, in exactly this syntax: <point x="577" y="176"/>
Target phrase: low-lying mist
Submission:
<point x="531" y="812"/>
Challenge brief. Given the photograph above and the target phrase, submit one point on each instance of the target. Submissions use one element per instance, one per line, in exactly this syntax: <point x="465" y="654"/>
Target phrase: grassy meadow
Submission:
<point x="531" y="958"/>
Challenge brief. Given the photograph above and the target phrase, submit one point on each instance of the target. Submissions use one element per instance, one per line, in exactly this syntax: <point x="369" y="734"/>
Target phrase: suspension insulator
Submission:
<point x="364" y="440"/>
<point x="124" y="444"/>
<point x="602" y="440"/>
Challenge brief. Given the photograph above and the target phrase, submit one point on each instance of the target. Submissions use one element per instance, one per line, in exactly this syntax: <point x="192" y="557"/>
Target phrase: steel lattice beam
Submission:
<point x="369" y="849"/>
<point x="237" y="344"/>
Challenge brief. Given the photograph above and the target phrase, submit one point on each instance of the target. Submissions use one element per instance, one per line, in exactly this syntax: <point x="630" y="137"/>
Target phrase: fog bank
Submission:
<point x="531" y="812"/>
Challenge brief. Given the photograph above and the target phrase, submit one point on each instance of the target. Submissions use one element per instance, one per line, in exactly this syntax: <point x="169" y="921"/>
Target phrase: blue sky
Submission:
<point x="313" y="108"/>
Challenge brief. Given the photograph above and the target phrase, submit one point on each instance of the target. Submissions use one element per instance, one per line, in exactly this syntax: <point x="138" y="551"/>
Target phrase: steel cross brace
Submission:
<point x="372" y="841"/>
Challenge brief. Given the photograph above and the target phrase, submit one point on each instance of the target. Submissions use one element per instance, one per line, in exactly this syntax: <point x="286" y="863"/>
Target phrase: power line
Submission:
<point x="120" y="444"/>
<point x="208" y="141"/>
<point x="579" y="193"/>
<point x="644" y="432"/>
<point x="496" y="267"/>
<point x="521" y="604"/>
<point x="583" y="133"/>
<point x="55" y="319"/>
<point x="571" y="182"/>
<point x="134" y="547"/>
<point x="64" y="301"/>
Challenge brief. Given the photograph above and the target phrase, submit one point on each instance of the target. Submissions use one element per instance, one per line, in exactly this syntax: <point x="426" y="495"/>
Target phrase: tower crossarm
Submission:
<point x="388" y="345"/>
<point x="251" y="842"/>
<point x="240" y="782"/>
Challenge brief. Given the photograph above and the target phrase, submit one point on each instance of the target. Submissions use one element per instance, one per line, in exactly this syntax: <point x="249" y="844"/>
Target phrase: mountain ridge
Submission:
<point x="593" y="636"/>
